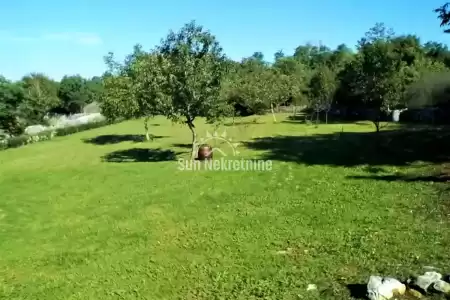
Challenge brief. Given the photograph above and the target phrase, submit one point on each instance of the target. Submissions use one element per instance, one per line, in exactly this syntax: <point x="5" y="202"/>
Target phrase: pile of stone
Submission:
<point x="431" y="282"/>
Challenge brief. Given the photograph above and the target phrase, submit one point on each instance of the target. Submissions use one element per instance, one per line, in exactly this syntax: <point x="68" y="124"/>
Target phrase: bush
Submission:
<point x="78" y="128"/>
<point x="17" y="141"/>
<point x="25" y="139"/>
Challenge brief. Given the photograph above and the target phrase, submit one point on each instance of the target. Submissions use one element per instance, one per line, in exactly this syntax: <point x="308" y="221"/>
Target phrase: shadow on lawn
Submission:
<point x="302" y="119"/>
<point x="178" y="145"/>
<point x="118" y="138"/>
<point x="140" y="155"/>
<point x="399" y="147"/>
<point x="237" y="123"/>
<point x="441" y="177"/>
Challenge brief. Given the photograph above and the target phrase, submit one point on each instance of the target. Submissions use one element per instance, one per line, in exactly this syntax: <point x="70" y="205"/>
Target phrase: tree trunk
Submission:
<point x="326" y="117"/>
<point x="194" y="139"/>
<point x="317" y="117"/>
<point x="377" y="125"/>
<point x="376" y="122"/>
<point x="147" y="134"/>
<point x="273" y="113"/>
<point x="294" y="108"/>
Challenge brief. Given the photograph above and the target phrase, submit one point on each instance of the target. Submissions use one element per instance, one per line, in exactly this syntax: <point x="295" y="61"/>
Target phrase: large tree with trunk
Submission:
<point x="193" y="65"/>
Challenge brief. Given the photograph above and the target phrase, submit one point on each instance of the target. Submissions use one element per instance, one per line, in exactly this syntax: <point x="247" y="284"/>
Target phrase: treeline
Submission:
<point x="188" y="76"/>
<point x="29" y="100"/>
<point x="386" y="72"/>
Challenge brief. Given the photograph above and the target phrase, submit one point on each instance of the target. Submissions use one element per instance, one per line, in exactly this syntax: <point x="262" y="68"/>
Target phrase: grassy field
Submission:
<point x="103" y="215"/>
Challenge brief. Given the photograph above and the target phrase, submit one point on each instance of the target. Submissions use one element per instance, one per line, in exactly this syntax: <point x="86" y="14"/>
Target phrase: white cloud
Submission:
<point x="81" y="38"/>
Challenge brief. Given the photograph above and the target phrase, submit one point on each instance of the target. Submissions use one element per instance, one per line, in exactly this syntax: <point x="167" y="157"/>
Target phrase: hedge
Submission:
<point x="25" y="139"/>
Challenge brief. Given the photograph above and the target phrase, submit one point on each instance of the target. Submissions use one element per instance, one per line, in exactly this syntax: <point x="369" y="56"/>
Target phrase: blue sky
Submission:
<point x="71" y="37"/>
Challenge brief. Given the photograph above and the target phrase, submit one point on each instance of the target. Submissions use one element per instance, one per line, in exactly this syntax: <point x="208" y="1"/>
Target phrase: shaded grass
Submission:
<point x="390" y="147"/>
<point x="117" y="138"/>
<point x="73" y="226"/>
<point x="140" y="155"/>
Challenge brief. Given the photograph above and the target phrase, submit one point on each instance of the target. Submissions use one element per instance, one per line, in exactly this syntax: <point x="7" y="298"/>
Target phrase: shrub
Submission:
<point x="25" y="139"/>
<point x="74" y="129"/>
<point x="3" y="144"/>
<point x="17" y="141"/>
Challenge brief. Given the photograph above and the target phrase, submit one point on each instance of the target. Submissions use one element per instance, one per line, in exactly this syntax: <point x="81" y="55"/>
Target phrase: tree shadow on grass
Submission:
<point x="304" y="119"/>
<point x="119" y="138"/>
<point x="178" y="145"/>
<point x="399" y="147"/>
<point x="140" y="155"/>
<point x="238" y="123"/>
<point x="430" y="178"/>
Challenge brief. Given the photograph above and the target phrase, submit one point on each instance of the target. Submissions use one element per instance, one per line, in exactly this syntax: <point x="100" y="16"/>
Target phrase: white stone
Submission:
<point x="442" y="286"/>
<point x="35" y="129"/>
<point x="424" y="281"/>
<point x="379" y="288"/>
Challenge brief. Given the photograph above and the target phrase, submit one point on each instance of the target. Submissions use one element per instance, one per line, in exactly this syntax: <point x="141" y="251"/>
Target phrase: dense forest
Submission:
<point x="189" y="75"/>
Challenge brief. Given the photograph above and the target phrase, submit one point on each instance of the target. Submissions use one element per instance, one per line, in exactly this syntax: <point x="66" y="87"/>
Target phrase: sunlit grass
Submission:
<point x="74" y="225"/>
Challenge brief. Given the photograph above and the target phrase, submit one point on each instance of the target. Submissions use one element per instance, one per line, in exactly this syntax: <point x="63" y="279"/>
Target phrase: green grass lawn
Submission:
<point x="103" y="215"/>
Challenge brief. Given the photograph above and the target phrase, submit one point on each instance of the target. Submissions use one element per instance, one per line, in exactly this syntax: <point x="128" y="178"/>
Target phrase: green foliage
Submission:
<point x="444" y="15"/>
<point x="74" y="93"/>
<point x="17" y="141"/>
<point x="41" y="95"/>
<point x="134" y="89"/>
<point x="193" y="65"/>
<point x="25" y="139"/>
<point x="323" y="87"/>
<point x="95" y="89"/>
<point x="188" y="76"/>
<point x="115" y="102"/>
<point x="12" y="96"/>
<point x="140" y="229"/>
<point x="78" y="128"/>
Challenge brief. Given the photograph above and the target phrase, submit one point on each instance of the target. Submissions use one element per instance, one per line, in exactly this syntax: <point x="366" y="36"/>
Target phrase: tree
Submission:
<point x="12" y="95"/>
<point x="408" y="48"/>
<point x="428" y="84"/>
<point x="135" y="89"/>
<point x="193" y="65"/>
<point x="378" y="78"/>
<point x="277" y="88"/>
<point x="340" y="57"/>
<point x="95" y="89"/>
<point x="258" y="57"/>
<point x="312" y="56"/>
<point x="323" y="88"/>
<point x="444" y="15"/>
<point x="298" y="76"/>
<point x="278" y="55"/>
<point x="74" y="94"/>
<point x="437" y="51"/>
<point x="41" y="95"/>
